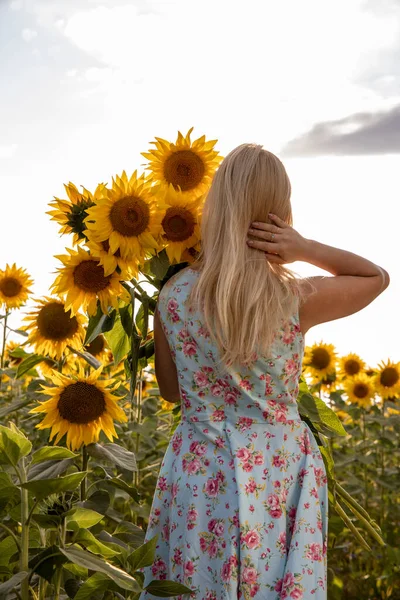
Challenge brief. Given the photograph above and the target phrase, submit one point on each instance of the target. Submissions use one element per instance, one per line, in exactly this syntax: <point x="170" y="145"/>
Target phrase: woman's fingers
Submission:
<point x="278" y="221"/>
<point x="260" y="226"/>
<point x="265" y="234"/>
<point x="270" y="247"/>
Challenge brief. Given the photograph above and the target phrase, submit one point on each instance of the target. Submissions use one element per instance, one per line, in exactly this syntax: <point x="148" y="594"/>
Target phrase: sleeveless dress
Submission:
<point x="241" y="502"/>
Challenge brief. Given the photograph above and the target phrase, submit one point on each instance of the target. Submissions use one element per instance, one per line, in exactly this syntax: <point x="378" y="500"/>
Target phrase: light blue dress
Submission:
<point x="241" y="503"/>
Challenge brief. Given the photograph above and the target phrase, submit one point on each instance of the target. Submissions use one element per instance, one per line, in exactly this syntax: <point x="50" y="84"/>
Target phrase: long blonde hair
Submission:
<point x="244" y="298"/>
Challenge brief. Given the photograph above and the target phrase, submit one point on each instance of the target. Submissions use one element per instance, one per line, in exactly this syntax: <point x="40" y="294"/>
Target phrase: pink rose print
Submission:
<point x="200" y="379"/>
<point x="177" y="443"/>
<point x="273" y="506"/>
<point x="218" y="415"/>
<point x="243" y="454"/>
<point x="189" y="568"/>
<point x="314" y="552"/>
<point x="190" y="348"/>
<point x="230" y="398"/>
<point x="216" y="389"/>
<point x="172" y="305"/>
<point x="159" y="568"/>
<point x="252" y="539"/>
<point x="212" y="487"/>
<point x="249" y="575"/>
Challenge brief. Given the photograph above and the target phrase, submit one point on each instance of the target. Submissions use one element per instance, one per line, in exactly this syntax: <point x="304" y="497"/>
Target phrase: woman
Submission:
<point x="241" y="504"/>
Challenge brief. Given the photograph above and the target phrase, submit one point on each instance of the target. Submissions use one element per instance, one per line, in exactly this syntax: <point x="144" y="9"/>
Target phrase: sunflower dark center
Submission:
<point x="55" y="324"/>
<point x="96" y="346"/>
<point x="106" y="247"/>
<point x="130" y="216"/>
<point x="185" y="169"/>
<point x="89" y="277"/>
<point x="320" y="358"/>
<point x="389" y="377"/>
<point x="81" y="403"/>
<point x="10" y="287"/>
<point x="77" y="215"/>
<point x="360" y="390"/>
<point x="178" y="224"/>
<point x="352" y="367"/>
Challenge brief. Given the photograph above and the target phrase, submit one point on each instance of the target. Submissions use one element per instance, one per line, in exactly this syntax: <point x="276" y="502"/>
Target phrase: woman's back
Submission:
<point x="241" y="503"/>
<point x="265" y="392"/>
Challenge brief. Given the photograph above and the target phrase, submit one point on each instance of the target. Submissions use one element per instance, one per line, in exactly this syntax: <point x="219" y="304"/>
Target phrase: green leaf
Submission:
<point x="47" y="521"/>
<point x="99" y="501"/>
<point x="144" y="555"/>
<point x="90" y="359"/>
<point x="122" y="485"/>
<point x="8" y="586"/>
<point x="48" y="469"/>
<point x="13" y="445"/>
<point x="52" y="453"/>
<point x="130" y="533"/>
<point x="88" y="560"/>
<point x="320" y="414"/>
<point x="99" y="323"/>
<point x="46" y="562"/>
<point x="45" y="487"/>
<point x="159" y="264"/>
<point x="9" y="493"/>
<point x="84" y="518"/>
<point x="92" y="586"/>
<point x="113" y="453"/>
<point x="125" y="313"/>
<point x="8" y="547"/>
<point x="28" y="363"/>
<point x="118" y="341"/>
<point x="87" y="539"/>
<point x="166" y="588"/>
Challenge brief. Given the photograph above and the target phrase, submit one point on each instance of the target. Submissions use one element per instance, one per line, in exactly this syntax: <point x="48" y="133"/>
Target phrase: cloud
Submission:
<point x="8" y="151"/>
<point x="28" y="34"/>
<point x="16" y="4"/>
<point x="358" y="134"/>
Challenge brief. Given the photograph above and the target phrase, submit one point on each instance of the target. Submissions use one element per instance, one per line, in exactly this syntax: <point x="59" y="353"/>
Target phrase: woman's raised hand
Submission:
<point x="279" y="242"/>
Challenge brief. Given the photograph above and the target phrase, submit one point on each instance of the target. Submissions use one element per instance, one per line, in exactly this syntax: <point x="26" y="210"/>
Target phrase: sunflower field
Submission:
<point x="83" y="428"/>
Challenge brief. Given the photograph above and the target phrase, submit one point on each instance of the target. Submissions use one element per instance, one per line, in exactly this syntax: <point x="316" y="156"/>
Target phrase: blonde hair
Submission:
<point x="244" y="298"/>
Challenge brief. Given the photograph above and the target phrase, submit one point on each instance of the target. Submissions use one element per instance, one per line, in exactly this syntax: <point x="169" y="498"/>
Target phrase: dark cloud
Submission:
<point x="360" y="133"/>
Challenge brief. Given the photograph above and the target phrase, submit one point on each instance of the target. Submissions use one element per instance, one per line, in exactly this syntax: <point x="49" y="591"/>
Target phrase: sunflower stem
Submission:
<point x="364" y="465"/>
<point x="24" y="554"/>
<point x="85" y="460"/>
<point x="135" y="344"/>
<point x="382" y="507"/>
<point x="3" y="347"/>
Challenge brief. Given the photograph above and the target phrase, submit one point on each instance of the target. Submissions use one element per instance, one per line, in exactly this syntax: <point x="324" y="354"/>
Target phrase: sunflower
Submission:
<point x="51" y="328"/>
<point x="127" y="218"/>
<point x="344" y="416"/>
<point x="387" y="380"/>
<point x="180" y="222"/>
<point x="351" y="365"/>
<point x="188" y="166"/>
<point x="99" y="349"/>
<point x="71" y="213"/>
<point x="14" y="354"/>
<point x="80" y="407"/>
<point x="82" y="282"/>
<point x="320" y="360"/>
<point x="128" y="269"/>
<point x="359" y="389"/>
<point x="14" y="286"/>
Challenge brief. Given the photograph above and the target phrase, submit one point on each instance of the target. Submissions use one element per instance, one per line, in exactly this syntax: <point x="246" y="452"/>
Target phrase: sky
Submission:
<point x="87" y="84"/>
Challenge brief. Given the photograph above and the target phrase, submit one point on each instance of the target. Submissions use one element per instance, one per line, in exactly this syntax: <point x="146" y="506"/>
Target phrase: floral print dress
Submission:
<point x="241" y="502"/>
